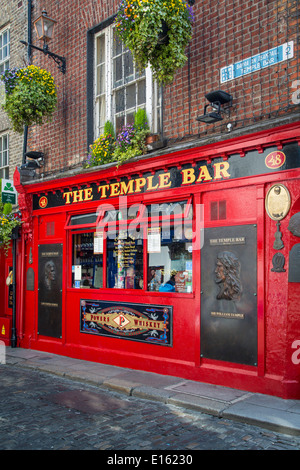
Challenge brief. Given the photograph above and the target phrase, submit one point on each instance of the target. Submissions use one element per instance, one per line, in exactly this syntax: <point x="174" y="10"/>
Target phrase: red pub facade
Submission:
<point x="183" y="261"/>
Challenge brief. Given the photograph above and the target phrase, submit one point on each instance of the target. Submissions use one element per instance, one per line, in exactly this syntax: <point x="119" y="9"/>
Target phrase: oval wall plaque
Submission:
<point x="278" y="202"/>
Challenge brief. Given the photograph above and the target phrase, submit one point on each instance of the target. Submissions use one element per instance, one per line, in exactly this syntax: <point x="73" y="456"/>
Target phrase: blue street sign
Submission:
<point x="258" y="62"/>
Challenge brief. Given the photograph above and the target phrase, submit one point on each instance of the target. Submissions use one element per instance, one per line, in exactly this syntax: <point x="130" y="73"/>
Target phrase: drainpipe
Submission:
<point x="15" y="236"/>
<point x="29" y="24"/>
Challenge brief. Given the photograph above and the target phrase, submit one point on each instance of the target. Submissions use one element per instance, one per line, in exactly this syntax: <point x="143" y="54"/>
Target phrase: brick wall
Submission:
<point x="13" y="15"/>
<point x="224" y="33"/>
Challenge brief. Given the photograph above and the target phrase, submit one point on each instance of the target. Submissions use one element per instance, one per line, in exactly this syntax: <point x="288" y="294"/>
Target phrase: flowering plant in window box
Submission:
<point x="130" y="142"/>
<point x="101" y="151"/>
<point x="156" y="32"/>
<point x="30" y="96"/>
<point x="8" y="222"/>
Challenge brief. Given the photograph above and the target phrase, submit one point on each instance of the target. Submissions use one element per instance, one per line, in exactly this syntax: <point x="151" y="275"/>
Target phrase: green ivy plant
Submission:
<point x="8" y="221"/>
<point x="30" y="96"/>
<point x="140" y="24"/>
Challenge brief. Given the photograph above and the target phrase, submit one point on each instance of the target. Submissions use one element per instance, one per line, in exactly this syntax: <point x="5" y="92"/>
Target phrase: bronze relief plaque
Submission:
<point x="228" y="294"/>
<point x="50" y="290"/>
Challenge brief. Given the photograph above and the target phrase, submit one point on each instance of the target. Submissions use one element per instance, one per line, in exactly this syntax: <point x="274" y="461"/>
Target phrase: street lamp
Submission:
<point x="44" y="27"/>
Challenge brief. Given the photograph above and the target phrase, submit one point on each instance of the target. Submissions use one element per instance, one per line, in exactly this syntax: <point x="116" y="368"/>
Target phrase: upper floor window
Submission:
<point x="120" y="87"/>
<point x="4" y="50"/>
<point x="4" y="159"/>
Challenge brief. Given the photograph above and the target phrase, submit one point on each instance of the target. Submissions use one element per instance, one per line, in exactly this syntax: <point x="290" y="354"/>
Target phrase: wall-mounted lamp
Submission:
<point x="217" y="100"/>
<point x="44" y="27"/>
<point x="33" y="160"/>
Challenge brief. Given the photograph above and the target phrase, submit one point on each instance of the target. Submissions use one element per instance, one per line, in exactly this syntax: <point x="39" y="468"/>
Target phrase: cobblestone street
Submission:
<point x="40" y="411"/>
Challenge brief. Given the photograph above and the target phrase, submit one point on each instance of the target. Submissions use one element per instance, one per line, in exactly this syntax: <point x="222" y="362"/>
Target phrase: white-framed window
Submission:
<point x="4" y="49"/>
<point x="120" y="87"/>
<point x="4" y="156"/>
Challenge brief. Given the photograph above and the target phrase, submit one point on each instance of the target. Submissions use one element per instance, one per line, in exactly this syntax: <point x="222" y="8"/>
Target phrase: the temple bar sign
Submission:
<point x="201" y="173"/>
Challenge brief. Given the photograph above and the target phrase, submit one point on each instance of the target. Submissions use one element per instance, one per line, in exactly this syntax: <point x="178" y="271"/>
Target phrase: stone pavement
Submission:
<point x="266" y="411"/>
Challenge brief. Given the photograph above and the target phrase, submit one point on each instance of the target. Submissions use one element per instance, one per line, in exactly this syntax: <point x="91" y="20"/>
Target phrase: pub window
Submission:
<point x="147" y="248"/>
<point x="125" y="261"/>
<point x="87" y="261"/>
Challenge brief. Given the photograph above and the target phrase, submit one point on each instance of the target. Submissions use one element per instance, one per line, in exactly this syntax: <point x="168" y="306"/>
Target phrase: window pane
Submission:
<point x="120" y="100"/>
<point x="117" y="44"/>
<point x="120" y="122"/>
<point x="118" y="72"/>
<point x="101" y="113"/>
<point x="167" y="208"/>
<point x="4" y="155"/>
<point x="127" y="213"/>
<point x="125" y="262"/>
<point x="84" y="219"/>
<point x="101" y="49"/>
<point x="100" y="79"/>
<point x="130" y="96"/>
<point x="130" y="118"/>
<point x="5" y="158"/>
<point x="139" y="72"/>
<point x="87" y="266"/>
<point x="141" y="92"/>
<point x="128" y="67"/>
<point x="170" y="270"/>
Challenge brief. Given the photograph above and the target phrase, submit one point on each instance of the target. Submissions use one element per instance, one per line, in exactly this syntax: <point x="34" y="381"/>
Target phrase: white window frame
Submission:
<point x="4" y="168"/>
<point x="152" y="90"/>
<point x="4" y="61"/>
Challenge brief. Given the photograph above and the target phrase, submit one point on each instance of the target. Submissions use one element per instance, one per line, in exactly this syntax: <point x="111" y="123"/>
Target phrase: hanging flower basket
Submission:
<point x="30" y="96"/>
<point x="156" y="32"/>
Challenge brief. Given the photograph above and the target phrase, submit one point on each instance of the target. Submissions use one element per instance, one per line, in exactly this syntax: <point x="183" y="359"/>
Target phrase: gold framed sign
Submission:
<point x="278" y="202"/>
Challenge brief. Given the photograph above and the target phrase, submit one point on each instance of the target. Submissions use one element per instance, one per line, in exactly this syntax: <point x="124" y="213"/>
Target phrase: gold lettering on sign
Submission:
<point x="164" y="181"/>
<point x="149" y="183"/>
<point x="188" y="176"/>
<point x="126" y="189"/>
<point x="204" y="174"/>
<point x="220" y="170"/>
<point x="239" y="316"/>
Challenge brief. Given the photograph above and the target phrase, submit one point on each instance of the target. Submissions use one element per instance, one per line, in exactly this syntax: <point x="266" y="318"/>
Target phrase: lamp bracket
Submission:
<point x="59" y="60"/>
